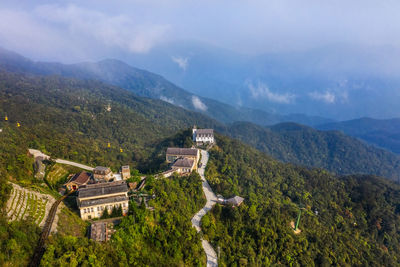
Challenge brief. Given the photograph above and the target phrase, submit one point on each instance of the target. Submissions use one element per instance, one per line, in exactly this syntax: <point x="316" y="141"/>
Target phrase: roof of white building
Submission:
<point x="205" y="131"/>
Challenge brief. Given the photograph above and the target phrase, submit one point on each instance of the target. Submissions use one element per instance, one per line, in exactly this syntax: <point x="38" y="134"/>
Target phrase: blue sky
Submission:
<point x="81" y="30"/>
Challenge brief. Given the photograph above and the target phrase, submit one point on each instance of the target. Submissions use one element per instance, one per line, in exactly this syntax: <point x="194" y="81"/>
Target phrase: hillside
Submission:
<point x="147" y="84"/>
<point x="347" y="221"/>
<point x="382" y="133"/>
<point x="68" y="119"/>
<point x="330" y="150"/>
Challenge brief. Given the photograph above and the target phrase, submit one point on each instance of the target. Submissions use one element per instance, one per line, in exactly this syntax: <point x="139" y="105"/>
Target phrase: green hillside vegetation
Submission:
<point x="356" y="223"/>
<point x="68" y="119"/>
<point x="147" y="84"/>
<point x="163" y="237"/>
<point x="331" y="150"/>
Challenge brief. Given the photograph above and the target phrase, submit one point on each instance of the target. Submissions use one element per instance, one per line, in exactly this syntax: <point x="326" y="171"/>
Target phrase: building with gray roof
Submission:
<point x="93" y="199"/>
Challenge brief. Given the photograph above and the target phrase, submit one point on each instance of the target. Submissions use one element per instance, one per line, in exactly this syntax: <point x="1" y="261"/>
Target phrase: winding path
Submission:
<point x="67" y="162"/>
<point x="37" y="153"/>
<point x="211" y="200"/>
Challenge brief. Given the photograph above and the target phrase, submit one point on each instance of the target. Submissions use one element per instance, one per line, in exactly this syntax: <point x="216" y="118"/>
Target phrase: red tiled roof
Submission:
<point x="81" y="178"/>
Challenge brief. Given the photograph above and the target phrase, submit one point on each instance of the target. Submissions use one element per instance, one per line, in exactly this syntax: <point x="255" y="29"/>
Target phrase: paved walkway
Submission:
<point x="37" y="153"/>
<point x="211" y="200"/>
<point x="67" y="162"/>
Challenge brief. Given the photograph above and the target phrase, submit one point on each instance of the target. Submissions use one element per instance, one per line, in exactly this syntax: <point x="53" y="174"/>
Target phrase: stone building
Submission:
<point x="93" y="199"/>
<point x="174" y="153"/>
<point x="125" y="172"/>
<point x="102" y="173"/>
<point x="184" y="165"/>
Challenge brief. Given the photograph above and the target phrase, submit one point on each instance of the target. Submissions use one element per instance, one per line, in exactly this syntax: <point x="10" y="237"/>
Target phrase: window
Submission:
<point x="91" y="209"/>
<point x="98" y="208"/>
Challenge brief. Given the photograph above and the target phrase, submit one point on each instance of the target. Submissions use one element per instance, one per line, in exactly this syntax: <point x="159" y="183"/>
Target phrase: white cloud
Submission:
<point x="181" y="61"/>
<point x="262" y="91"/>
<point x="198" y="104"/>
<point x="166" y="99"/>
<point x="327" y="97"/>
<point x="110" y="30"/>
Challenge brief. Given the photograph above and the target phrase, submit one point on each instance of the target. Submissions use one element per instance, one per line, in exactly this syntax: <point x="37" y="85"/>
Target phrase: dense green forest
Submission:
<point x="351" y="220"/>
<point x="161" y="237"/>
<point x="331" y="150"/>
<point x="68" y="119"/>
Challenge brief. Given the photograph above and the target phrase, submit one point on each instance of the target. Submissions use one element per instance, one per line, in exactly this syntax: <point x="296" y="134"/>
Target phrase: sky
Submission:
<point x="71" y="31"/>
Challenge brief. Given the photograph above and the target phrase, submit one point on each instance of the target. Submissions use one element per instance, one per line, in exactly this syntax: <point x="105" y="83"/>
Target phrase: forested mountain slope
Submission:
<point x="382" y="133"/>
<point x="75" y="119"/>
<point x="69" y="119"/>
<point x="352" y="220"/>
<point x="148" y="84"/>
<point x="331" y="150"/>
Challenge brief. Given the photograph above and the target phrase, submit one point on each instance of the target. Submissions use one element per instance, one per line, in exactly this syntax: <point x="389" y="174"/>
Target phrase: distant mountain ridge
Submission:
<point x="382" y="133"/>
<point x="148" y="84"/>
<point x="331" y="150"/>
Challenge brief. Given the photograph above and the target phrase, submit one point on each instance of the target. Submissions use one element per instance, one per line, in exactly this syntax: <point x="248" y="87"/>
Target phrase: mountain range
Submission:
<point x="147" y="84"/>
<point x="287" y="142"/>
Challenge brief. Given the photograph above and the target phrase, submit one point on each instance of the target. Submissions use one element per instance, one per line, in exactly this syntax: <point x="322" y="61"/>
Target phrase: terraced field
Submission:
<point x="28" y="204"/>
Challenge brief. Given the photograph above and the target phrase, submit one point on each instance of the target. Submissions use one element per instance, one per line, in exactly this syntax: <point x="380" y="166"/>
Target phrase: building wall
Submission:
<point x="172" y="158"/>
<point x="96" y="211"/>
<point x="126" y="175"/>
<point x="202" y="139"/>
<point x="106" y="177"/>
<point x="181" y="170"/>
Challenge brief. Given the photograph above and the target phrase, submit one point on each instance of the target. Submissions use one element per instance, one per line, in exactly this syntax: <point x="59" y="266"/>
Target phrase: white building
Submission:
<point x="203" y="136"/>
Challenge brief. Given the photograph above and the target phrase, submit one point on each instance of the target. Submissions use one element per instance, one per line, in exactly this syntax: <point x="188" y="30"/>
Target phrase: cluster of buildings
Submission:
<point x="182" y="160"/>
<point x="102" y="190"/>
<point x="99" y="191"/>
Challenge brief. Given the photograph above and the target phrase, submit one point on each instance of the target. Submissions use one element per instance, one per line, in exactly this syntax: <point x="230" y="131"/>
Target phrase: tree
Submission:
<point x="105" y="214"/>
